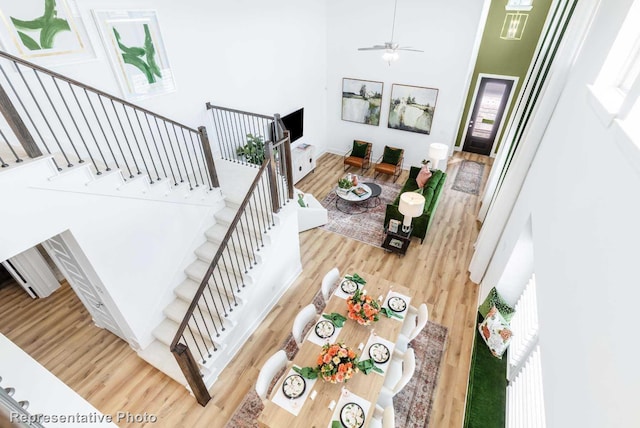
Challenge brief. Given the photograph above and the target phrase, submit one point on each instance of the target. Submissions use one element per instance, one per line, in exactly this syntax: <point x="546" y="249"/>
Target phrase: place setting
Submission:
<point x="350" y="411"/>
<point x="380" y="351"/>
<point x="396" y="305"/>
<point x="293" y="392"/>
<point x="326" y="329"/>
<point x="349" y="285"/>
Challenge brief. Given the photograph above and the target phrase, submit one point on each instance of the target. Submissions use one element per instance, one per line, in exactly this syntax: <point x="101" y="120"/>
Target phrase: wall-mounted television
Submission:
<point x="294" y="123"/>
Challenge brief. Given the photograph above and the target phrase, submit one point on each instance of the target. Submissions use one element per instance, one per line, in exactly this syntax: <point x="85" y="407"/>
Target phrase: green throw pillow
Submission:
<point x="494" y="299"/>
<point x="359" y="149"/>
<point x="391" y="156"/>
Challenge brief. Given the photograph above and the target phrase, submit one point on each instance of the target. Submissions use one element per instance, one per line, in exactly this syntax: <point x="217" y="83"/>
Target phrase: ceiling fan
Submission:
<point x="391" y="48"/>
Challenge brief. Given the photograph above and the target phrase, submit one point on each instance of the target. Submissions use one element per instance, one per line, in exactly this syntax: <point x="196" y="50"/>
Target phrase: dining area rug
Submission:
<point x="367" y="227"/>
<point x="412" y="405"/>
<point x="469" y="177"/>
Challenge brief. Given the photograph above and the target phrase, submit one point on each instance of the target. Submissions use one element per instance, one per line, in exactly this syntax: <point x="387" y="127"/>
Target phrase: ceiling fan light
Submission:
<point x="390" y="56"/>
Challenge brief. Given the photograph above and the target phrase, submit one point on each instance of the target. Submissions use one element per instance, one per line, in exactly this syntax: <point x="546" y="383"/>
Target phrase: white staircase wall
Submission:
<point x="135" y="244"/>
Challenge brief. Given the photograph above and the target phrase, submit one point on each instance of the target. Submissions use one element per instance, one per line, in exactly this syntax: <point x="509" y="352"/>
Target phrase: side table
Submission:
<point x="396" y="242"/>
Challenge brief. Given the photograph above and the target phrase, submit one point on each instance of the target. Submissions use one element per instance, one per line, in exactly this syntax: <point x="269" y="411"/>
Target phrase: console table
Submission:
<point x="397" y="242"/>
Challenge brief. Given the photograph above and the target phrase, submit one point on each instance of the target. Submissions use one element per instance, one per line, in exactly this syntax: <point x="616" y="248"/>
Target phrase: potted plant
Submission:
<point x="253" y="150"/>
<point x="344" y="185"/>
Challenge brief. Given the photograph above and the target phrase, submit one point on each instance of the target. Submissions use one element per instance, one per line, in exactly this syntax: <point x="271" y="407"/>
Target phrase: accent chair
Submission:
<point x="359" y="156"/>
<point x="390" y="162"/>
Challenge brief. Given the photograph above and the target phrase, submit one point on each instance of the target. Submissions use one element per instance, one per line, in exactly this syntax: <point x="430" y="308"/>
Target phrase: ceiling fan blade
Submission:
<point x="373" y="48"/>
<point x="409" y="49"/>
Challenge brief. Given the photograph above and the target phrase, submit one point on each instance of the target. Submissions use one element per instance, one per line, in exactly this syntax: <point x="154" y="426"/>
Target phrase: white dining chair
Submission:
<point x="328" y="282"/>
<point x="387" y="419"/>
<point x="269" y="370"/>
<point x="304" y="317"/>
<point x="399" y="373"/>
<point x="416" y="320"/>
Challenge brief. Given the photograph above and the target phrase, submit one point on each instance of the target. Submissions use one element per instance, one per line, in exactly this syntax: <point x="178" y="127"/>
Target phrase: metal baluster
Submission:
<point x="229" y="131"/>
<point x="215" y="305"/>
<point x="252" y="231"/>
<point x="213" y="322"/>
<point x="235" y="249"/>
<point x="135" y="137"/>
<point x="202" y="337"/>
<point x="104" y="134"/>
<point x="146" y="142"/>
<point x="126" y="139"/>
<point x="221" y="141"/>
<point x="3" y="164"/>
<point x="175" y="133"/>
<point x="155" y="144"/>
<point x="164" y="146"/>
<point x="69" y="164"/>
<point x="236" y="254"/>
<point x="195" y="155"/>
<point x="75" y="124"/>
<point x="206" y="327"/>
<point x="90" y="129"/>
<point x="18" y="160"/>
<point x="218" y="288"/>
<point x="226" y="269"/>
<point x="108" y="119"/>
<point x="245" y="232"/>
<point x="242" y="139"/>
<point x="55" y="110"/>
<point x="28" y="114"/>
<point x="173" y="152"/>
<point x="265" y="210"/>
<point x="257" y="217"/>
<point x="195" y="342"/>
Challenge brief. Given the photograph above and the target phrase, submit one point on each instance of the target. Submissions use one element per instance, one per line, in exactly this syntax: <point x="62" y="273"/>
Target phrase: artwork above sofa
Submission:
<point x="431" y="193"/>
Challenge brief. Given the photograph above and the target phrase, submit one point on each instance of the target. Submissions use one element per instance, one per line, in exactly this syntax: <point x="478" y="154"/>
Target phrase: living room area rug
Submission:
<point x="367" y="227"/>
<point x="412" y="405"/>
<point x="469" y="177"/>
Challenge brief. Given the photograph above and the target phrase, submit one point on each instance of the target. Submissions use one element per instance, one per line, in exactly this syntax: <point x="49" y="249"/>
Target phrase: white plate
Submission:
<point x="293" y="386"/>
<point x="397" y="304"/>
<point x="348" y="286"/>
<point x="352" y="416"/>
<point x="379" y="353"/>
<point x="325" y="329"/>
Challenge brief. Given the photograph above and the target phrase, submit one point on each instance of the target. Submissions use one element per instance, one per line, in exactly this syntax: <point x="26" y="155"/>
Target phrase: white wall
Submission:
<point x="136" y="246"/>
<point x="446" y="31"/>
<point x="263" y="57"/>
<point x="581" y="195"/>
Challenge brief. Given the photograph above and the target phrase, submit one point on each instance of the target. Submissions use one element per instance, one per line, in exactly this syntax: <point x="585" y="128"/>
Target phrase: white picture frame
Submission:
<point x="394" y="225"/>
<point x="135" y="48"/>
<point x="65" y="41"/>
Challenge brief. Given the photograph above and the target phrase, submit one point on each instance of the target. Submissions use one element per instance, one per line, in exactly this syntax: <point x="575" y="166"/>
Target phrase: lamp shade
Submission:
<point x="411" y="204"/>
<point x="438" y="151"/>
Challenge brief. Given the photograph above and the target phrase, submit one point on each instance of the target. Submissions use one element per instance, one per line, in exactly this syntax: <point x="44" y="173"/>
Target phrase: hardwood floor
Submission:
<point x="58" y="332"/>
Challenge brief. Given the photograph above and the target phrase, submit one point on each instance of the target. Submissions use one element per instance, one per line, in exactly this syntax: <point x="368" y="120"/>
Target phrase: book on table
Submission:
<point x="359" y="191"/>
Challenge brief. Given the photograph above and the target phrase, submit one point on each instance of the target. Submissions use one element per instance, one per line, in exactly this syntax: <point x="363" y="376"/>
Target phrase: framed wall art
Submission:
<point x="134" y="45"/>
<point x="411" y="108"/>
<point x="47" y="32"/>
<point x="361" y="100"/>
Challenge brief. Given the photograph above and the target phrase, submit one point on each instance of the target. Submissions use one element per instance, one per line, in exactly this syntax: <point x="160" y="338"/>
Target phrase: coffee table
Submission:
<point x="350" y="200"/>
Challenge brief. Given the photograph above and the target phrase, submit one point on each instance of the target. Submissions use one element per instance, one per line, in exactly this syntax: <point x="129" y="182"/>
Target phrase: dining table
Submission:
<point x="323" y="403"/>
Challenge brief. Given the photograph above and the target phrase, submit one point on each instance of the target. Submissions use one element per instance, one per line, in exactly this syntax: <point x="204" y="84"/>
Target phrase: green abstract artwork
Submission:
<point x="134" y="55"/>
<point x="49" y="25"/>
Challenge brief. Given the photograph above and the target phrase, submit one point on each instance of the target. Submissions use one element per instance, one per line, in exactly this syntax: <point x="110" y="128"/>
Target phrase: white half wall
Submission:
<point x="446" y="31"/>
<point x="581" y="195"/>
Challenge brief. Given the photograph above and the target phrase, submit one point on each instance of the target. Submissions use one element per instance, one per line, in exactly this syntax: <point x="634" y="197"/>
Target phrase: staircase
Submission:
<point x="96" y="144"/>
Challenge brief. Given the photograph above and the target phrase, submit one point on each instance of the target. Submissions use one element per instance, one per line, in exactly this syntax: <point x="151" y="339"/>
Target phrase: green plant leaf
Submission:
<point x="337" y="319"/>
<point x="307" y="372"/>
<point x="28" y="42"/>
<point x="336" y="424"/>
<point x="389" y="313"/>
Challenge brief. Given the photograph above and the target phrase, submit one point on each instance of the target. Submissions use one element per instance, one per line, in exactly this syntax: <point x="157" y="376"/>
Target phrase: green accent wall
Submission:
<point x="505" y="57"/>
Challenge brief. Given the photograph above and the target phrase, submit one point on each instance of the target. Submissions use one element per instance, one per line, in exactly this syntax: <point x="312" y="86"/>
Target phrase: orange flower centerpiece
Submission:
<point x="337" y="363"/>
<point x="362" y="308"/>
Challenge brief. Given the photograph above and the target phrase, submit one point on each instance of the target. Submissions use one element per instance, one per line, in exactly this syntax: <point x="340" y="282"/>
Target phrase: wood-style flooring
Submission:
<point x="58" y="332"/>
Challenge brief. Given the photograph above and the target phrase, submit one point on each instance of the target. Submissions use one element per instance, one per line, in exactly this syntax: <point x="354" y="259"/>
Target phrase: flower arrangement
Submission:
<point x="337" y="363"/>
<point x="362" y="308"/>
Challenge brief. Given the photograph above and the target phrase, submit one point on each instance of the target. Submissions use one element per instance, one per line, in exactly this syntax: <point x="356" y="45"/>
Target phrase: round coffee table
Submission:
<point x="352" y="203"/>
<point x="375" y="194"/>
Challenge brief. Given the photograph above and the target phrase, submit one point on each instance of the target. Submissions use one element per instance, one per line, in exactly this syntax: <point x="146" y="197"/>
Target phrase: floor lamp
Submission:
<point x="411" y="205"/>
<point x="438" y="152"/>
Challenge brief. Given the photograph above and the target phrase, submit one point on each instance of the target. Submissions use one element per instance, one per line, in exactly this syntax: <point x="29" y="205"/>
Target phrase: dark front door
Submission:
<point x="487" y="114"/>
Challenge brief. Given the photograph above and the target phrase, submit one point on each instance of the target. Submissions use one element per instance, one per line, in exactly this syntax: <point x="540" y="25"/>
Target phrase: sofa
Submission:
<point x="431" y="193"/>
